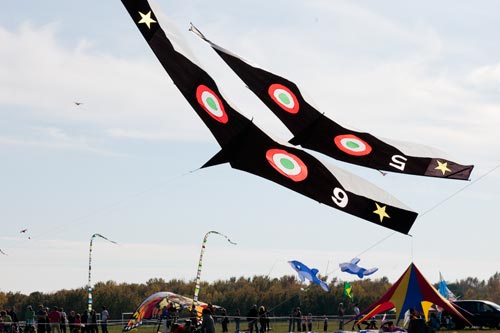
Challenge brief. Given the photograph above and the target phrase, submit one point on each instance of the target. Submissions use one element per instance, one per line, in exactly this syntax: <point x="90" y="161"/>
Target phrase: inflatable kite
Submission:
<point x="313" y="130"/>
<point x="306" y="273"/>
<point x="353" y="268"/>
<point x="246" y="147"/>
<point x="151" y="307"/>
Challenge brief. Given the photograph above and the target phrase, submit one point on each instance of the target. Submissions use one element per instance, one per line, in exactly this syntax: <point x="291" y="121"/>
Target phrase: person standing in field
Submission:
<point x="104" y="320"/>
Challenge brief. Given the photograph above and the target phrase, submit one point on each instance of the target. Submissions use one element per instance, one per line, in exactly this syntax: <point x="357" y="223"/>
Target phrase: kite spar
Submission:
<point x="90" y="268"/>
<point x="200" y="262"/>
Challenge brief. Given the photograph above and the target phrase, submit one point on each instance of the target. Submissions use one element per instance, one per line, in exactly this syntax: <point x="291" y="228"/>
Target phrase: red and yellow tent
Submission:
<point x="411" y="291"/>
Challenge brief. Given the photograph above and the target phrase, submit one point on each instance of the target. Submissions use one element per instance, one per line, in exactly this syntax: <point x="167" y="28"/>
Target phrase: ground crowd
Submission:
<point x="54" y="320"/>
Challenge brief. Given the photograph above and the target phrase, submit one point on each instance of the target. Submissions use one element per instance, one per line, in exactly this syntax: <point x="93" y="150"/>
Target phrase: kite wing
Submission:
<point x="313" y="130"/>
<point x="248" y="148"/>
<point x="152" y="306"/>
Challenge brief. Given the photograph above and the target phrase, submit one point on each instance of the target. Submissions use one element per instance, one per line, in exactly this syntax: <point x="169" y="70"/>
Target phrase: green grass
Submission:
<point x="281" y="327"/>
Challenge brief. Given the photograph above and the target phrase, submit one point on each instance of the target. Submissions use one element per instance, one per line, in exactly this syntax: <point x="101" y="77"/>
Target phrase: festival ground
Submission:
<point x="282" y="327"/>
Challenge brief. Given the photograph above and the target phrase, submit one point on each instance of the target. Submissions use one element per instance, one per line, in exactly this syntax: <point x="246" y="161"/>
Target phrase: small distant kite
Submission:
<point x="3" y="252"/>
<point x="78" y="103"/>
<point x="306" y="273"/>
<point x="23" y="231"/>
<point x="353" y="268"/>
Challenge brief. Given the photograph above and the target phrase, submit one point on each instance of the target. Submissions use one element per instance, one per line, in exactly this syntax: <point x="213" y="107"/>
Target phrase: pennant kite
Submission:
<point x="313" y="130"/>
<point x="246" y="147"/>
<point x="306" y="273"/>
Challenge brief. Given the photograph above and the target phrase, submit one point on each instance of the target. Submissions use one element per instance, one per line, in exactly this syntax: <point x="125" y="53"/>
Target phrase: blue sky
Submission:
<point x="121" y="163"/>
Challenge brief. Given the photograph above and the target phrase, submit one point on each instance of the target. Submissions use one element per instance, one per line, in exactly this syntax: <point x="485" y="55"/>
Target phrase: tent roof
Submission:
<point x="410" y="291"/>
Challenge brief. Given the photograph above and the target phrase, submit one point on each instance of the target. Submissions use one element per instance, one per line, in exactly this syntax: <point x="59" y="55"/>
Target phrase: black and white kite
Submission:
<point x="248" y="148"/>
<point x="313" y="130"/>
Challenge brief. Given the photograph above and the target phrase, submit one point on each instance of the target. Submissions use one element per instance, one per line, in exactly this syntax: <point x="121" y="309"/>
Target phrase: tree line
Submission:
<point x="279" y="295"/>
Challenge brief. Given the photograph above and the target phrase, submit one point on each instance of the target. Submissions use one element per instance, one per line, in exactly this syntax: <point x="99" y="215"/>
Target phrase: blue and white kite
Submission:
<point x="353" y="268"/>
<point x="307" y="273"/>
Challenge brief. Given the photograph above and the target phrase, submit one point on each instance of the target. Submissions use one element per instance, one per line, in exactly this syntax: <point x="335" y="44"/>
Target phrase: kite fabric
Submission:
<point x="410" y="291"/>
<point x="353" y="268"/>
<point x="444" y="290"/>
<point x="152" y="306"/>
<point x="200" y="261"/>
<point x="89" y="286"/>
<point x="306" y="273"/>
<point x="313" y="130"/>
<point x="348" y="290"/>
<point x="246" y="147"/>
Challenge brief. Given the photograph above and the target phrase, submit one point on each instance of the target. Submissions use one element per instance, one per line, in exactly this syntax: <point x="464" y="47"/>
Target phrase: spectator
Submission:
<point x="104" y="320"/>
<point x="71" y="321"/>
<point x="252" y="319"/>
<point x="29" y="316"/>
<point x="237" y="318"/>
<point x="41" y="318"/>
<point x="341" y="316"/>
<point x="92" y="322"/>
<point x="64" y="320"/>
<point x="262" y="318"/>
<point x="309" y="322"/>
<point x="207" y="323"/>
<point x="55" y="320"/>
<point x="225" y="320"/>
<point x="6" y="320"/>
<point x="325" y="323"/>
<point x="356" y="317"/>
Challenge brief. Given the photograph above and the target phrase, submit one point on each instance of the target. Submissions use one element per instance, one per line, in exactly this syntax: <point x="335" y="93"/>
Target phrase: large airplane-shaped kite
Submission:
<point x="313" y="130"/>
<point x="306" y="273"/>
<point x="246" y="147"/>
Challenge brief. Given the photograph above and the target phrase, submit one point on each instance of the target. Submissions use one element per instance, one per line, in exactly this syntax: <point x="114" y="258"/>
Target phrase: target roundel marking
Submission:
<point x="284" y="97"/>
<point x="211" y="103"/>
<point x="287" y="164"/>
<point x="352" y="145"/>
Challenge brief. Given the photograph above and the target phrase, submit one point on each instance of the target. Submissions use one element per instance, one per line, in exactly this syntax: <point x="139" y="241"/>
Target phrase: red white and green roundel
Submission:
<point x="284" y="97"/>
<point x="352" y="145"/>
<point x="211" y="103"/>
<point x="287" y="164"/>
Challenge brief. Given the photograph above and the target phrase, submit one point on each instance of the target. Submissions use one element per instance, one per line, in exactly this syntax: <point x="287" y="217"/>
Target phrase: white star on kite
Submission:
<point x="146" y="19"/>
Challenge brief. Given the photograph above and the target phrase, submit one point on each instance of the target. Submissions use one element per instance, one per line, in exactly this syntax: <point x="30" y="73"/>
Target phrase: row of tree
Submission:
<point x="278" y="295"/>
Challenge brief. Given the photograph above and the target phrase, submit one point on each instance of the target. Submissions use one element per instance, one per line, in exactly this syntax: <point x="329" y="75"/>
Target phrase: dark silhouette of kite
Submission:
<point x="246" y="147"/>
<point x="313" y="130"/>
<point x="1" y="251"/>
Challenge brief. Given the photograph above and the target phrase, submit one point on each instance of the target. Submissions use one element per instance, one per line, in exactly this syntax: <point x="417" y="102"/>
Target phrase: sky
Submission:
<point x="125" y="163"/>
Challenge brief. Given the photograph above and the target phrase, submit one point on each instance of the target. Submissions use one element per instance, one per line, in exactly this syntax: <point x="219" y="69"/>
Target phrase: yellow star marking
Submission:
<point x="146" y="18"/>
<point x="443" y="167"/>
<point x="380" y="211"/>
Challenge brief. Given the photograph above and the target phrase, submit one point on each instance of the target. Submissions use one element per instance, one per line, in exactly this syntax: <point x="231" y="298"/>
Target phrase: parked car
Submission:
<point x="480" y="313"/>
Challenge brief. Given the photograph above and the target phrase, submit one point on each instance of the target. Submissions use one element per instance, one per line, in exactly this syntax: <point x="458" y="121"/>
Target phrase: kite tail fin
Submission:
<point x="219" y="158"/>
<point x="324" y="285"/>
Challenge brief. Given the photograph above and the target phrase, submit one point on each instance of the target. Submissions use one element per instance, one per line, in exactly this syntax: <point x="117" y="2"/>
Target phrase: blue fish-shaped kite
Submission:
<point x="307" y="273"/>
<point x="353" y="268"/>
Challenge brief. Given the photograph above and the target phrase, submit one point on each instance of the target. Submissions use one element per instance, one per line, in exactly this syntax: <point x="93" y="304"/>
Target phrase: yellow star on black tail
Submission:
<point x="146" y="19"/>
<point x="443" y="167"/>
<point x="380" y="211"/>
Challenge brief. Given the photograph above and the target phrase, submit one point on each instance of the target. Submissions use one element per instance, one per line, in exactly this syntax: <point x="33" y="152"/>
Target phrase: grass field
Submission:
<point x="282" y="327"/>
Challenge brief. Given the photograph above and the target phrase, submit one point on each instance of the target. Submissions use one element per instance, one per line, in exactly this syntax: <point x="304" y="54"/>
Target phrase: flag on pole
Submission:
<point x="348" y="290"/>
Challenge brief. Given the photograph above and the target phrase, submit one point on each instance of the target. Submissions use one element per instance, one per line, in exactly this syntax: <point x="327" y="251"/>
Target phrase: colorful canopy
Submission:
<point x="411" y="291"/>
<point x="152" y="306"/>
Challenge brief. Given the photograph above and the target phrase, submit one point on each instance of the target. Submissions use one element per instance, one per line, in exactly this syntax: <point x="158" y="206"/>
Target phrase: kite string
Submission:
<point x="427" y="211"/>
<point x="460" y="190"/>
<point x="81" y="219"/>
